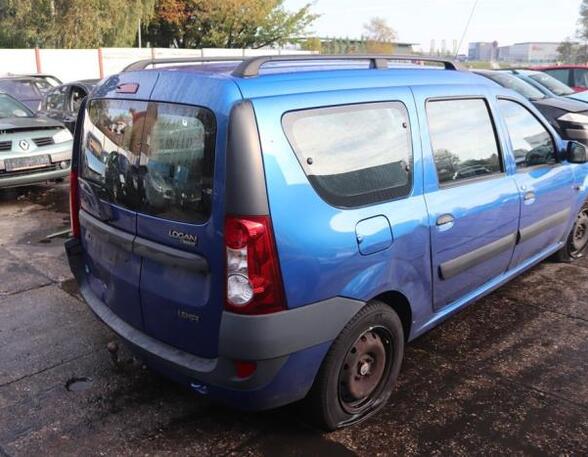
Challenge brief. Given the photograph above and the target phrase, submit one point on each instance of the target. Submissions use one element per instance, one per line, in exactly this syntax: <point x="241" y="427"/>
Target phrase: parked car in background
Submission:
<point x="52" y="80"/>
<point x="308" y="216"/>
<point x="26" y="89"/>
<point x="32" y="148"/>
<point x="575" y="76"/>
<point x="547" y="84"/>
<point x="569" y="117"/>
<point x="62" y="103"/>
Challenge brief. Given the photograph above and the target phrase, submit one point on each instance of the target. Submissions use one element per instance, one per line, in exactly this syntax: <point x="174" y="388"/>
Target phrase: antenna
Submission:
<point x="466" y="27"/>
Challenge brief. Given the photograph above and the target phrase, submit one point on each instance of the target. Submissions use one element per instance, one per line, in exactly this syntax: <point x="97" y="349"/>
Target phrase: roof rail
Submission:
<point x="251" y="67"/>
<point x="142" y="64"/>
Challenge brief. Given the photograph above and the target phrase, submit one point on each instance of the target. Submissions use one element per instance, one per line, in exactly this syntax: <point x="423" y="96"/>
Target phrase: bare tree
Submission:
<point x="378" y="30"/>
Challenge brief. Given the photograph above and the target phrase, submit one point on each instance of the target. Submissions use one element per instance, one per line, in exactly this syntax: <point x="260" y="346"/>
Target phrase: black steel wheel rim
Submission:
<point x="579" y="237"/>
<point x="364" y="371"/>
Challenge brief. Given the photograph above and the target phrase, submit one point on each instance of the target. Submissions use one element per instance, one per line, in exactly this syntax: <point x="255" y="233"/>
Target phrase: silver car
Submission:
<point x="32" y="148"/>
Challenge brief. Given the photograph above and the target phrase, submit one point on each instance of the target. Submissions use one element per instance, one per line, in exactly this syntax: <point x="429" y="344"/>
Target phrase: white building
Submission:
<point x="530" y="52"/>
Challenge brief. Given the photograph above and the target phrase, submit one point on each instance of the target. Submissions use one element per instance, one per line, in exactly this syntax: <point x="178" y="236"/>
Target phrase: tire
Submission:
<point x="356" y="378"/>
<point x="577" y="242"/>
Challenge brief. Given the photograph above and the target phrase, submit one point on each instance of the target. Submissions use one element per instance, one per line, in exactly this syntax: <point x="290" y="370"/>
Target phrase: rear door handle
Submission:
<point x="445" y="222"/>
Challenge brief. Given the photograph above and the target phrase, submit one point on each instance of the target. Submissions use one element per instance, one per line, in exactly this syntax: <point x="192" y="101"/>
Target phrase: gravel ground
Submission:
<point x="508" y="376"/>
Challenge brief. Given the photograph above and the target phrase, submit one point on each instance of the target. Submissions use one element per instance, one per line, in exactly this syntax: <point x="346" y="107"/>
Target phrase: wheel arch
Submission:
<point x="399" y="303"/>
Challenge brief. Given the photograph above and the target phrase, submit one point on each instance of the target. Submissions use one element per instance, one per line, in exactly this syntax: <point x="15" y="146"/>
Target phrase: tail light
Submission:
<point x="74" y="203"/>
<point x="254" y="283"/>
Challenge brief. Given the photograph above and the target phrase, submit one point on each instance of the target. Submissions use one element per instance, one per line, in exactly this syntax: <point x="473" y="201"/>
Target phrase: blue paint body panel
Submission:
<point x="325" y="251"/>
<point x="373" y="235"/>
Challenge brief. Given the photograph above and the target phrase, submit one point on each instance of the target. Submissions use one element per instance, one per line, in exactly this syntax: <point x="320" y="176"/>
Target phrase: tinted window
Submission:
<point x="156" y="158"/>
<point x="463" y="139"/>
<point x="562" y="75"/>
<point x="531" y="142"/>
<point x="355" y="154"/>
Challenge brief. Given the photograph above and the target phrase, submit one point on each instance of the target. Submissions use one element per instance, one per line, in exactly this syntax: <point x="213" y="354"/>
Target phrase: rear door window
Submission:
<point x="154" y="158"/>
<point x="463" y="140"/>
<point x="356" y="154"/>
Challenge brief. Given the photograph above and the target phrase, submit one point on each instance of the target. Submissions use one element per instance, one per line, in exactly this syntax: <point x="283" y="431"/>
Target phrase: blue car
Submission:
<point x="547" y="84"/>
<point x="278" y="228"/>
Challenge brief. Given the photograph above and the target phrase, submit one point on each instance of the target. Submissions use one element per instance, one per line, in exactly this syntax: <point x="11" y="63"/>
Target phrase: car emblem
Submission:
<point x="24" y="145"/>
<point x="186" y="238"/>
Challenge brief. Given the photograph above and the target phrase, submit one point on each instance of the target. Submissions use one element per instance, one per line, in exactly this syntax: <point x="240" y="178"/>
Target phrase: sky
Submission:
<point x="420" y="21"/>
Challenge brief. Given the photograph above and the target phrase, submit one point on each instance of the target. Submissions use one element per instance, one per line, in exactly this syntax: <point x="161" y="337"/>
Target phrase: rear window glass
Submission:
<point x="155" y="158"/>
<point x="356" y="154"/>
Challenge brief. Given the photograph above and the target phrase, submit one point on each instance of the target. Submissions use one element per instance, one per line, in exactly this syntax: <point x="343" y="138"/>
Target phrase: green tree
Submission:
<point x="227" y="23"/>
<point x="567" y="51"/>
<point x="72" y="23"/>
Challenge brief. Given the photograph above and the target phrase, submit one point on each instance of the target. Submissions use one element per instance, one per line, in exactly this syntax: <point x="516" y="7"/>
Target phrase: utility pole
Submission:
<point x="139" y="33"/>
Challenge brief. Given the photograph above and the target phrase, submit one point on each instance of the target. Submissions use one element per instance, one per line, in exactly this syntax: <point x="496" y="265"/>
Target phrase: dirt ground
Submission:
<point x="508" y="376"/>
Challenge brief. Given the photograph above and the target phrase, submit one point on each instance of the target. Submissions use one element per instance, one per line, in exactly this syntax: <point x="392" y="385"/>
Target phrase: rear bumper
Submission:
<point x="288" y="348"/>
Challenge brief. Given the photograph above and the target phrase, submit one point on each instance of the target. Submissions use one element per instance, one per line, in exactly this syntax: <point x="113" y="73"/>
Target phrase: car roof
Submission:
<point x="282" y="78"/>
<point x="18" y="78"/>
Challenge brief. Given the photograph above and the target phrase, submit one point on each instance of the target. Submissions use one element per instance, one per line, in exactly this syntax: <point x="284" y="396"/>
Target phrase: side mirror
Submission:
<point x="576" y="152"/>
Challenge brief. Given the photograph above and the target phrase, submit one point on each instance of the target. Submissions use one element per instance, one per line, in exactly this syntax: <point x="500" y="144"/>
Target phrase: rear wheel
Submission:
<point x="357" y="375"/>
<point x="577" y="241"/>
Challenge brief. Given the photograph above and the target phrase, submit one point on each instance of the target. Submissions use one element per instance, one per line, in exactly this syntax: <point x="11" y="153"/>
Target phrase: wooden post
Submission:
<point x="100" y="63"/>
<point x="38" y="60"/>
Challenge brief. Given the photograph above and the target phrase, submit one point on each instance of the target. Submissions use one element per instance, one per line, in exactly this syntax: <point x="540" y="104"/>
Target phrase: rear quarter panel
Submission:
<point x="317" y="244"/>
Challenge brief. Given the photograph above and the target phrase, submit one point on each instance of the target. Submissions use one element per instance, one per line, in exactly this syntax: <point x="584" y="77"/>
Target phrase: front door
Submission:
<point x="546" y="187"/>
<point x="473" y="205"/>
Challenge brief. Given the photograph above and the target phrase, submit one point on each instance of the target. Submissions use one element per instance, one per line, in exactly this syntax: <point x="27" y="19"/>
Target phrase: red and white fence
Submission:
<point x="75" y="64"/>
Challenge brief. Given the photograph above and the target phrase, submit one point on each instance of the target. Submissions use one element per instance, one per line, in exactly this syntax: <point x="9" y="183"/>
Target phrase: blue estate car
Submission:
<point x="278" y="228"/>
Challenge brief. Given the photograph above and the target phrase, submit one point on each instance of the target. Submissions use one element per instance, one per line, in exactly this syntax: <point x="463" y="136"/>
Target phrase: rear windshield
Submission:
<point x="356" y="154"/>
<point x="151" y="157"/>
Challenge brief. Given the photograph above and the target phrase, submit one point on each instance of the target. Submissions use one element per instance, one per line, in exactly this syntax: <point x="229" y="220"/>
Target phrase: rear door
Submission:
<point x="174" y="239"/>
<point x="109" y="196"/>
